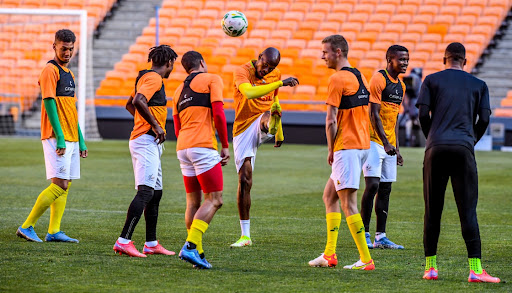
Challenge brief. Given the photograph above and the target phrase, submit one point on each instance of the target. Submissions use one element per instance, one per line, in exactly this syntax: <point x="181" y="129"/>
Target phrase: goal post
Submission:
<point x="61" y="16"/>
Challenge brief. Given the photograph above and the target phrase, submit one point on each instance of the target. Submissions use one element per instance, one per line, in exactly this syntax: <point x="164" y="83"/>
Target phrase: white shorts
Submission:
<point x="245" y="145"/>
<point x="62" y="167"/>
<point x="346" y="168"/>
<point x="379" y="164"/>
<point x="147" y="166"/>
<point x="195" y="161"/>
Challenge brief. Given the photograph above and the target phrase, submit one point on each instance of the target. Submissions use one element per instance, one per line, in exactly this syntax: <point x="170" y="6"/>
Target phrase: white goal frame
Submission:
<point x="82" y="69"/>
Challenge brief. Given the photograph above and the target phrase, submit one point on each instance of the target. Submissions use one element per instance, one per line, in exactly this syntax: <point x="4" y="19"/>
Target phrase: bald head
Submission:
<point x="267" y="61"/>
<point x="272" y="54"/>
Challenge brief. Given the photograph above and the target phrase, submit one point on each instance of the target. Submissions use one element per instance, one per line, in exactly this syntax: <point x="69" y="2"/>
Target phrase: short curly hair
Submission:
<point x="65" y="35"/>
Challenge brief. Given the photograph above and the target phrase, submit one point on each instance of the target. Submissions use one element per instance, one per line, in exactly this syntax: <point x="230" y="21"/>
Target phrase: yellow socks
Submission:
<point x="199" y="246"/>
<point x="196" y="233"/>
<point x="356" y="227"/>
<point x="275" y="116"/>
<point x="45" y="199"/>
<point x="333" y="225"/>
<point x="57" y="211"/>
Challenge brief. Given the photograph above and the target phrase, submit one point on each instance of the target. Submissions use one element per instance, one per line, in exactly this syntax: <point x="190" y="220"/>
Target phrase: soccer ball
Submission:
<point x="234" y="23"/>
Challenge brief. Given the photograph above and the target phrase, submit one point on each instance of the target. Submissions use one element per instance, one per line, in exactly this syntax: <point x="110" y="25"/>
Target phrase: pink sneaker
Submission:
<point x="430" y="274"/>
<point x="158" y="249"/>
<point x="484" y="277"/>
<point x="128" y="249"/>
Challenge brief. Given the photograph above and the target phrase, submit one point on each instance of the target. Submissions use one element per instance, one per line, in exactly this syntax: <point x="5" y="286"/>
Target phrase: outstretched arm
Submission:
<point x="258" y="91"/>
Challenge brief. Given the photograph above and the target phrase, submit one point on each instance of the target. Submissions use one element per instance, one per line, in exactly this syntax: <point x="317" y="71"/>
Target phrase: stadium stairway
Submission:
<point x="118" y="33"/>
<point x="496" y="70"/>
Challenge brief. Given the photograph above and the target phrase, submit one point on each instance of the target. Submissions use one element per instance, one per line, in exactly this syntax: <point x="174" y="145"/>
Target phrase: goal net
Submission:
<point x="26" y="39"/>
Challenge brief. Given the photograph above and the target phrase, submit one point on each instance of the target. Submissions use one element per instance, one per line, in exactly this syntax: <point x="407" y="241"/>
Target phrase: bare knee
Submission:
<point x="216" y="199"/>
<point x="62" y="183"/>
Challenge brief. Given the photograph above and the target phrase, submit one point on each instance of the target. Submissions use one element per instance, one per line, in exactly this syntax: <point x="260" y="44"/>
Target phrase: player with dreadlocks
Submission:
<point x="147" y="104"/>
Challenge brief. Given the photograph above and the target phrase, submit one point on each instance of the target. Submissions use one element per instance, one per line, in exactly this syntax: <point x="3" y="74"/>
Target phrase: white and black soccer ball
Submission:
<point x="234" y="23"/>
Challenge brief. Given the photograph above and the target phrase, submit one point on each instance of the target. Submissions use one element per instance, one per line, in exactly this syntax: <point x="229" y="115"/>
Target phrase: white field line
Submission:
<point x="235" y="216"/>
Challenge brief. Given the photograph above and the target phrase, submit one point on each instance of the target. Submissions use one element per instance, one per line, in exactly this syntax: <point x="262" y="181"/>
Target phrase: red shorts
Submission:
<point x="209" y="181"/>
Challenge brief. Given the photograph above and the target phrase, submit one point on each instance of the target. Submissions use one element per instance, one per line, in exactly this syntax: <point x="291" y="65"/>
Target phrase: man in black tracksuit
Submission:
<point x="454" y="114"/>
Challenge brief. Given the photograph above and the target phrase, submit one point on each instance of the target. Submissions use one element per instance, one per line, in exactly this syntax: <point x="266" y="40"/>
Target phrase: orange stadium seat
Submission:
<point x="358" y="18"/>
<point x="336" y="16"/>
<point x="407" y="9"/>
<point x="373" y="27"/>
<point x="488" y="20"/>
<point x="389" y="37"/>
<point x="368" y="36"/>
<point x="278" y="6"/>
<point x="417" y="28"/>
<point x="257" y="6"/>
<point x="342" y="7"/>
<point x="296" y="28"/>
<point x="234" y="5"/>
<point x="395" y="28"/>
<point x="300" y="7"/>
<point x="455" y="2"/>
<point x="471" y="10"/>
<point x="321" y="7"/>
<point x="266" y="24"/>
<point x="431" y="38"/>
<point x="437" y="29"/>
<point x="388" y="9"/>
<point x="410" y="37"/>
<point x="428" y="10"/>
<point x="445" y="20"/>
<point x="351" y="27"/>
<point x="494" y="11"/>
<point x="272" y="15"/>
<point x="453" y="10"/>
<point x="423" y="18"/>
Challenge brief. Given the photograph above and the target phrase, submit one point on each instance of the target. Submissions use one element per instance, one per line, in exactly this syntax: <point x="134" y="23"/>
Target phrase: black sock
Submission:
<point x="151" y="215"/>
<point x="382" y="205"/>
<point x="191" y="246"/>
<point x="139" y="202"/>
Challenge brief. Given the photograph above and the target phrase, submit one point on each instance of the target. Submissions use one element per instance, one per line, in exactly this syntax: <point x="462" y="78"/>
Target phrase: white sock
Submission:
<point x="380" y="235"/>
<point x="151" y="243"/>
<point x="246" y="227"/>
<point x="123" y="240"/>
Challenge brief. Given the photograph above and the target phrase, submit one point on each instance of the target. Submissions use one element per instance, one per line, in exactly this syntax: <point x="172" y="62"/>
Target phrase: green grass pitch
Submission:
<point x="288" y="228"/>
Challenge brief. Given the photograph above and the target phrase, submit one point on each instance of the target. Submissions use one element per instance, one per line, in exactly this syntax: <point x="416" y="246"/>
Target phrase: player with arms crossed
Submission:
<point x="197" y="112"/>
<point x="148" y="105"/>
<point x="449" y="103"/>
<point x="348" y="140"/>
<point x="380" y="167"/>
<point x="257" y="119"/>
<point x="63" y="142"/>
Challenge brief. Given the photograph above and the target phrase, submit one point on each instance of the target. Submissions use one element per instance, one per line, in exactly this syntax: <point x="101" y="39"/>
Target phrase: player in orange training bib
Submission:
<point x="257" y="119"/>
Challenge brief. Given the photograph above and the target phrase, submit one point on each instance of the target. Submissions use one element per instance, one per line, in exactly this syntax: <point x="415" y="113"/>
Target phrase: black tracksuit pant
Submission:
<point x="457" y="163"/>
